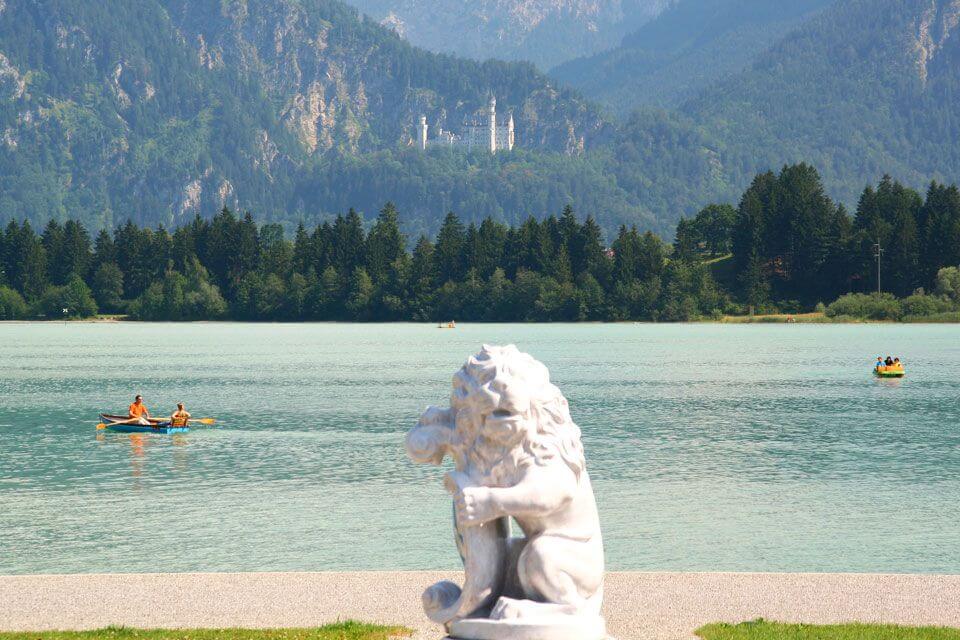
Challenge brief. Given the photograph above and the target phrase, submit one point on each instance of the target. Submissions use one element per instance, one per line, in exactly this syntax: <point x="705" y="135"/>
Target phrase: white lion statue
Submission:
<point x="517" y="454"/>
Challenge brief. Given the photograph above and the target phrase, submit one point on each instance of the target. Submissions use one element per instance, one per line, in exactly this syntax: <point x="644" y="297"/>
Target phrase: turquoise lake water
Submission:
<point x="711" y="447"/>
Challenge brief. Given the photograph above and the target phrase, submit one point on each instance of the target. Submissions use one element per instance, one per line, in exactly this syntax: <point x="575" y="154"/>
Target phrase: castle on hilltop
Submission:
<point x="480" y="131"/>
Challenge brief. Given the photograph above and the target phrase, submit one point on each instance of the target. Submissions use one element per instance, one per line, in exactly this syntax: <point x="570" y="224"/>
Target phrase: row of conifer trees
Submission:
<point x="786" y="245"/>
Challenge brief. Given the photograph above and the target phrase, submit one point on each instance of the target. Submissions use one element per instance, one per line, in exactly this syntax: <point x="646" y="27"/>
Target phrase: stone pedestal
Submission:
<point x="559" y="628"/>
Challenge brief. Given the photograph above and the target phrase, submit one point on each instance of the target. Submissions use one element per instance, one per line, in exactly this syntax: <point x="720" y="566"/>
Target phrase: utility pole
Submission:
<point x="878" y="252"/>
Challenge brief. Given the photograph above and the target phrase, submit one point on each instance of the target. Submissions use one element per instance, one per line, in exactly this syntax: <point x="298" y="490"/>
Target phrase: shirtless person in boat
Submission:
<point x="181" y="417"/>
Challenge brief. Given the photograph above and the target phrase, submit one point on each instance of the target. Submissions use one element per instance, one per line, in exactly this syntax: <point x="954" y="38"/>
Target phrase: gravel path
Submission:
<point x="647" y="606"/>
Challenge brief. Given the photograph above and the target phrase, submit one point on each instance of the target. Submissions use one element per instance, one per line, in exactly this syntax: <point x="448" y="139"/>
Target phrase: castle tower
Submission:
<point x="492" y="123"/>
<point x="422" y="132"/>
<point x="510" y="133"/>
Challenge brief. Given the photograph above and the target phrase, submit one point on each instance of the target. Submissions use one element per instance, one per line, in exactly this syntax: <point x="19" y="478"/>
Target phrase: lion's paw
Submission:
<point x="507" y="609"/>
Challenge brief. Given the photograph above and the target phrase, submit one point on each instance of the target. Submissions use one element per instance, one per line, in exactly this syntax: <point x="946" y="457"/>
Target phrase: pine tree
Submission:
<point x="588" y="256"/>
<point x="26" y="261"/>
<point x="360" y="294"/>
<point x="449" y="250"/>
<point x="385" y="244"/>
<point x="76" y="252"/>
<point x="749" y="247"/>
<point x="627" y="256"/>
<point x="652" y="257"/>
<point x="903" y="255"/>
<point x="686" y="241"/>
<point x="561" y="270"/>
<point x="492" y="245"/>
<point x="569" y="229"/>
<point x="423" y="277"/>
<point x="276" y="252"/>
<point x="939" y="231"/>
<point x="134" y="256"/>
<point x="52" y="239"/>
<point x="103" y="249"/>
<point x="347" y="243"/>
<point x="303" y="251"/>
<point x="221" y="245"/>
<point x="807" y="215"/>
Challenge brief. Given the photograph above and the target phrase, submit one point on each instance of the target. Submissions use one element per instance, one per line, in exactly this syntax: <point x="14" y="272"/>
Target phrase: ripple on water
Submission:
<point x="762" y="448"/>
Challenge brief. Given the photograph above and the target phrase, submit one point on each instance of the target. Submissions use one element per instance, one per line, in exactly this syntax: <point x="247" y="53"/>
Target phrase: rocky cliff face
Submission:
<point x="347" y="84"/>
<point x="935" y="26"/>
<point x="546" y="32"/>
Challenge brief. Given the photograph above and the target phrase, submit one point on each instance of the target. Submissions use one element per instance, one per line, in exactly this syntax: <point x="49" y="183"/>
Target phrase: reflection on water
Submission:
<point x="711" y="447"/>
<point x="136" y="446"/>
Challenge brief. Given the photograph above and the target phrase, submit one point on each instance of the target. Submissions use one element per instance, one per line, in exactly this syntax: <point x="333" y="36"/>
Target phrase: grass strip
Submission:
<point x="763" y="630"/>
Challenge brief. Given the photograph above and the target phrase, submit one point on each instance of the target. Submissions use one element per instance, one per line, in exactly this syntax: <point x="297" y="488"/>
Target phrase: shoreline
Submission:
<point x="638" y="605"/>
<point x="780" y="318"/>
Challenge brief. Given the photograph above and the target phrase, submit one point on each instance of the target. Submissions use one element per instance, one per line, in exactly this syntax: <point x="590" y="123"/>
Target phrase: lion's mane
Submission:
<point x="480" y="387"/>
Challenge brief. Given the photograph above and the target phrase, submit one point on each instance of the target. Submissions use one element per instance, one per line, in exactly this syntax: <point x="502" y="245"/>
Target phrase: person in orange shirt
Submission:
<point x="138" y="412"/>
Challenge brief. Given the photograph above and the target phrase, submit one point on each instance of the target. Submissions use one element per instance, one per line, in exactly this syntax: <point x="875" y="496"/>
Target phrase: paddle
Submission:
<point x="104" y="425"/>
<point x="203" y="420"/>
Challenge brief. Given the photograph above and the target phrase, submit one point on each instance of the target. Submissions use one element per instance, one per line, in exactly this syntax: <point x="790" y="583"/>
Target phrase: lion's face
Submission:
<point x="504" y="415"/>
<point x="493" y="402"/>
<point x="510" y="422"/>
<point x="508" y="414"/>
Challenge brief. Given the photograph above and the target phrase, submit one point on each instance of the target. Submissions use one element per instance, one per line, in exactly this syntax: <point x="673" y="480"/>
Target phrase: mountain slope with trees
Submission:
<point x="691" y="45"/>
<point x="157" y="110"/>
<point x="868" y="87"/>
<point x="299" y="109"/>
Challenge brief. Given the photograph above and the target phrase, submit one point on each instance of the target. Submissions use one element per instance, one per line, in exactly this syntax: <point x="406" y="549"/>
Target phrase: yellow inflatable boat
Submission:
<point x="893" y="371"/>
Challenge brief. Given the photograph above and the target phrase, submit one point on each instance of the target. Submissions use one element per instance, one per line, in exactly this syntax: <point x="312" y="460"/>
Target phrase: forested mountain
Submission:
<point x="545" y="32"/>
<point x="691" y="45"/>
<point x="863" y="88"/>
<point x="299" y="109"/>
<point x="106" y="114"/>
<point x="867" y="87"/>
<point x="159" y="109"/>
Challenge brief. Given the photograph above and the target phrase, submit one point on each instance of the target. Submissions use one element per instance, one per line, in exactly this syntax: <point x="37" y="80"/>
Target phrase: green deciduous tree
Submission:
<point x="108" y="287"/>
<point x="12" y="305"/>
<point x="72" y="300"/>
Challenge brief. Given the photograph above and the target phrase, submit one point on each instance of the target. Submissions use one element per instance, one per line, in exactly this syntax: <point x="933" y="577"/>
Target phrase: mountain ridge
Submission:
<point x="545" y="32"/>
<point x="686" y="48"/>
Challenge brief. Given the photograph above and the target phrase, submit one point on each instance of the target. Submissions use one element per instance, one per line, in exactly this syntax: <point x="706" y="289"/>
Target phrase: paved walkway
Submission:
<point x="639" y="606"/>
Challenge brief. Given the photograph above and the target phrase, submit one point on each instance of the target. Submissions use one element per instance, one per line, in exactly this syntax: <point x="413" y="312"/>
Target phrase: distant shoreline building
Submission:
<point x="480" y="131"/>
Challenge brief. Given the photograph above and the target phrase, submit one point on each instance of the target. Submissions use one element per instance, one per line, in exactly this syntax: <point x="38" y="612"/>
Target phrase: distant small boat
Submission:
<point x="894" y="371"/>
<point x="157" y="425"/>
<point x="447" y="325"/>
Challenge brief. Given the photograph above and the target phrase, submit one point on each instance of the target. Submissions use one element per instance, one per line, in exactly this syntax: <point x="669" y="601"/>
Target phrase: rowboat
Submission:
<point x="157" y="425"/>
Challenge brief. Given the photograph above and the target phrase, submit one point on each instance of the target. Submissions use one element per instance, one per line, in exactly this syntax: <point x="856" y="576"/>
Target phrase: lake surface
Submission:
<point x="711" y="447"/>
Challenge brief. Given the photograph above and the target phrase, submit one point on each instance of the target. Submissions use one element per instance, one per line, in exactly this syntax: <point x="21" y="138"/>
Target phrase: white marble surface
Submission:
<point x="517" y="455"/>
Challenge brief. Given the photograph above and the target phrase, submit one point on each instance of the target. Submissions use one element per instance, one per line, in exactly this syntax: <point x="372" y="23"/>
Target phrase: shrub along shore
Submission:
<point x="786" y="249"/>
